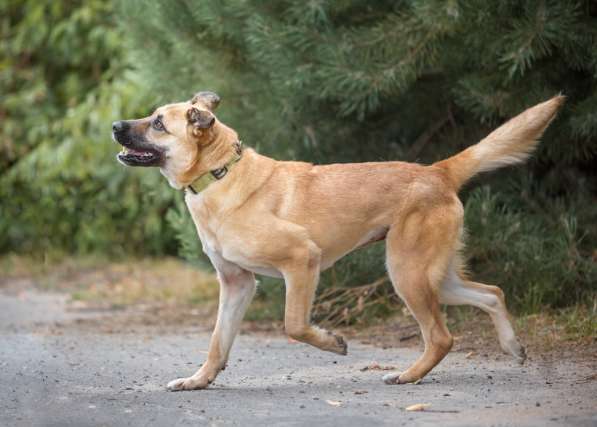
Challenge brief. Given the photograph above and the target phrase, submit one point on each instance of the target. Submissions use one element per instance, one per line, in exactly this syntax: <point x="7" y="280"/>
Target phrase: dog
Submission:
<point x="293" y="220"/>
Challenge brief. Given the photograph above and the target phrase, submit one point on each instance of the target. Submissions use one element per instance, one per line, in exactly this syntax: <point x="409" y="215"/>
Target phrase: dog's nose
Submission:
<point x="118" y="126"/>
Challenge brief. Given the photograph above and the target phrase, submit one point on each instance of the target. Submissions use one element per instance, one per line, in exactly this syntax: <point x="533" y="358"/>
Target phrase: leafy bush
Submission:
<point x="65" y="81"/>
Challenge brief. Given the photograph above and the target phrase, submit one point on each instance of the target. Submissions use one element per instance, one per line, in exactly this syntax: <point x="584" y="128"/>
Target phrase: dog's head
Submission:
<point x="173" y="138"/>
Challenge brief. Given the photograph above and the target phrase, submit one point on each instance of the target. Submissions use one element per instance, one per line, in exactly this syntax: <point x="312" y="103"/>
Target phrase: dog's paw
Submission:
<point x="521" y="355"/>
<point x="514" y="348"/>
<point x="338" y="346"/>
<point x="392" y="378"/>
<point x="341" y="345"/>
<point x="401" y="378"/>
<point x="190" y="383"/>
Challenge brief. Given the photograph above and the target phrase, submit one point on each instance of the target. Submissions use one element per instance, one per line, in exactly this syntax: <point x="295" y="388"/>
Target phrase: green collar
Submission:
<point x="202" y="182"/>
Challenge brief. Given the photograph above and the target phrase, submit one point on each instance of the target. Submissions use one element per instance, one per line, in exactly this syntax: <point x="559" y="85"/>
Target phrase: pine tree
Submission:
<point x="414" y="80"/>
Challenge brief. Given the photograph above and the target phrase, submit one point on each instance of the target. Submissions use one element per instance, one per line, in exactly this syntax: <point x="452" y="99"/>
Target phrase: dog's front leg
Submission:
<point x="301" y="276"/>
<point x="237" y="287"/>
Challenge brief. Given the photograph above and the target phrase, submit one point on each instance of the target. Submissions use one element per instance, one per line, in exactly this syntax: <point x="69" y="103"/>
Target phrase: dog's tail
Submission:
<point x="511" y="143"/>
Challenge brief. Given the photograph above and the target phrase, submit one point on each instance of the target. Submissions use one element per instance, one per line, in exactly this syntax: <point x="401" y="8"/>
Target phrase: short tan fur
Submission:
<point x="293" y="220"/>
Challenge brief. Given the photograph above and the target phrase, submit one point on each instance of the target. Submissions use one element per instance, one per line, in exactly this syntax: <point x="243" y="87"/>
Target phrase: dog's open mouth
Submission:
<point x="139" y="157"/>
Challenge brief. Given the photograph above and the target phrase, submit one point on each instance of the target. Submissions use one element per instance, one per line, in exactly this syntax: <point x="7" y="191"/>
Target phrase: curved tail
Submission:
<point x="511" y="143"/>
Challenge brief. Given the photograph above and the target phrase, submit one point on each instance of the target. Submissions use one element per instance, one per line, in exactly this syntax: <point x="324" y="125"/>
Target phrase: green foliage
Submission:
<point x="65" y="82"/>
<point x="320" y="81"/>
<point x="533" y="256"/>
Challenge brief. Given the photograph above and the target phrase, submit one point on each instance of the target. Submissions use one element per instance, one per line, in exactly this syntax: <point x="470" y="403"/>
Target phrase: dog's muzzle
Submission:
<point x="136" y="150"/>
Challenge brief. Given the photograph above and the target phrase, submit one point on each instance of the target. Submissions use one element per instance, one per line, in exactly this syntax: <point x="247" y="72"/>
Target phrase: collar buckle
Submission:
<point x="219" y="173"/>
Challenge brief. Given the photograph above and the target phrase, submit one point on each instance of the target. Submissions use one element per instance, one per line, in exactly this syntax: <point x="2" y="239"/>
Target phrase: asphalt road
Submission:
<point x="54" y="373"/>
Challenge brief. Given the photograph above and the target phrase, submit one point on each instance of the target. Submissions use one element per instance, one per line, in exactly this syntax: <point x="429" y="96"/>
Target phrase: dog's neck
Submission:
<point x="215" y="154"/>
<point x="203" y="181"/>
<point x="212" y="156"/>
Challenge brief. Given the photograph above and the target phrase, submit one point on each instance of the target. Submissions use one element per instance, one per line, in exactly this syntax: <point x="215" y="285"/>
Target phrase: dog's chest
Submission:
<point x="221" y="250"/>
<point x="206" y="223"/>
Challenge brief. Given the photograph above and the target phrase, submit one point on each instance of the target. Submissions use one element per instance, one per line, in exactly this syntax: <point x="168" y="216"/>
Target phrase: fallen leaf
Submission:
<point x="361" y="392"/>
<point x="417" y="407"/>
<point x="333" y="402"/>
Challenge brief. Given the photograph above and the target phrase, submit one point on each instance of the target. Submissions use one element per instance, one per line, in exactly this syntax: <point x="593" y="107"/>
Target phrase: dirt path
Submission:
<point x="57" y="369"/>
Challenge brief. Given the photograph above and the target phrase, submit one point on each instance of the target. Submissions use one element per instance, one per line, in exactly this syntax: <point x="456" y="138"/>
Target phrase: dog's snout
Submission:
<point x="118" y="126"/>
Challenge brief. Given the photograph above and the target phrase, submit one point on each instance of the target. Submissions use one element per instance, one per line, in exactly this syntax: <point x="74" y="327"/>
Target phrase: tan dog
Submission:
<point x="293" y="220"/>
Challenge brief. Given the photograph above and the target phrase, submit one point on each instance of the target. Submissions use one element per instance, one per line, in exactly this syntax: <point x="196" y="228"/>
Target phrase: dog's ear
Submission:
<point x="210" y="99"/>
<point x="200" y="119"/>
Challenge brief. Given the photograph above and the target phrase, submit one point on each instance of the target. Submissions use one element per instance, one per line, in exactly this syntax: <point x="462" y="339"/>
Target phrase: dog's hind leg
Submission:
<point x="237" y="288"/>
<point x="457" y="291"/>
<point x="301" y="275"/>
<point x="419" y="251"/>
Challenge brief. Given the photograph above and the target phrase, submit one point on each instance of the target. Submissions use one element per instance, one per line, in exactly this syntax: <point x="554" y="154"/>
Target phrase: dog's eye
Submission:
<point x="157" y="124"/>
